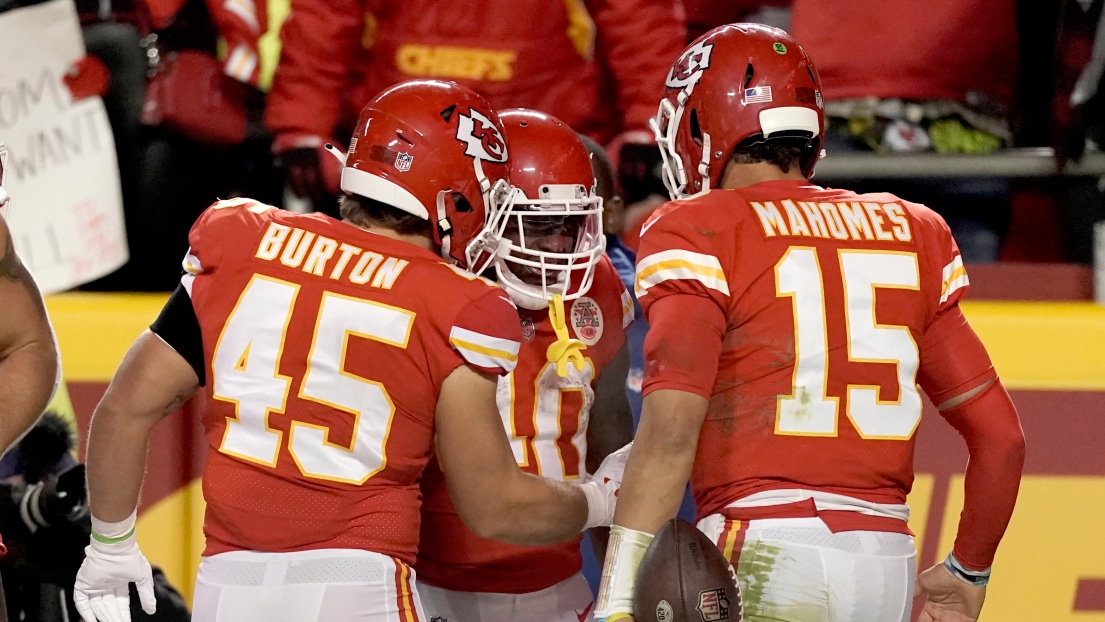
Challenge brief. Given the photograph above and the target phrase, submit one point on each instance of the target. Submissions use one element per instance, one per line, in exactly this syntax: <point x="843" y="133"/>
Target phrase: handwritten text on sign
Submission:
<point x="66" y="213"/>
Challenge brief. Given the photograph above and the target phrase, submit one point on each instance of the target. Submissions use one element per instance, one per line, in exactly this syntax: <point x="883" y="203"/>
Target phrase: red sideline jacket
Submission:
<point x="553" y="56"/>
<point x="240" y="22"/>
<point x="940" y="49"/>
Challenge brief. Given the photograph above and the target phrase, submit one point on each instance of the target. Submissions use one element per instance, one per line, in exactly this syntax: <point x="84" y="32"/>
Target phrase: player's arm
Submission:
<point x="681" y="359"/>
<point x="161" y="371"/>
<point x="611" y="425"/>
<point x="28" y="351"/>
<point x="491" y="494"/>
<point x="152" y="381"/>
<point x="958" y="376"/>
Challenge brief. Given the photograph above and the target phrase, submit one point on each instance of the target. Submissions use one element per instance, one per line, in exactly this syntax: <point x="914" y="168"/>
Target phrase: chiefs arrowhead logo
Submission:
<point x="481" y="138"/>
<point x="688" y="69"/>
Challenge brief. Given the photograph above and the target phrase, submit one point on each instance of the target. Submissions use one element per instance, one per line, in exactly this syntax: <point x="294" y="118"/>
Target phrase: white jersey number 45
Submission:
<point x="246" y="373"/>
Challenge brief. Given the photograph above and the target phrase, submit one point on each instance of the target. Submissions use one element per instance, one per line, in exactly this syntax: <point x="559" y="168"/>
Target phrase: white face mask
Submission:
<point x="548" y="245"/>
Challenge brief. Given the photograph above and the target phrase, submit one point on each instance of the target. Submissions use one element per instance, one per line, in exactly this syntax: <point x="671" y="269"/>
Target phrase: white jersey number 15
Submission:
<point x="808" y="411"/>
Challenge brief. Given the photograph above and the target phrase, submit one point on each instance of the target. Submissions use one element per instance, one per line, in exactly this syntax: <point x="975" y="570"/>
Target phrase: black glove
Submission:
<point x="640" y="172"/>
<point x="302" y="168"/>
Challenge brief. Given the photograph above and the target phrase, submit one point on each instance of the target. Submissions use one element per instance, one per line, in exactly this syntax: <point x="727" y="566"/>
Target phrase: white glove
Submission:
<point x="602" y="488"/>
<point x="112" y="561"/>
<point x="612" y="469"/>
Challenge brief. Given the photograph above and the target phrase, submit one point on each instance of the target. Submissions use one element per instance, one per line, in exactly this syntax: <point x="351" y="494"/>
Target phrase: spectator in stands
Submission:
<point x="1070" y="107"/>
<point x="595" y="64"/>
<point x="187" y="124"/>
<point x="705" y="15"/>
<point x="904" y="76"/>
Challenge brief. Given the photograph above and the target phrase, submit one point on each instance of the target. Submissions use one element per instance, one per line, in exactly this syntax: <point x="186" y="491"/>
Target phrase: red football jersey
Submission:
<point x="824" y="295"/>
<point x="546" y="418"/>
<point x="326" y="346"/>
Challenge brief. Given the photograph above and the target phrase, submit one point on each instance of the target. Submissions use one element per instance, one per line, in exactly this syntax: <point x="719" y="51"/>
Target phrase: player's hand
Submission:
<point x="949" y="599"/>
<point x="601" y="489"/>
<point x="101" y="593"/>
<point x="308" y="169"/>
<point x="610" y="472"/>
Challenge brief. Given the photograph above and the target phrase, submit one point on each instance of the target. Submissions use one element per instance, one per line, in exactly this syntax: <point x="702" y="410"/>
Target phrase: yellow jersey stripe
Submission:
<point x="671" y="264"/>
<point x="490" y="352"/>
<point x="731" y="539"/>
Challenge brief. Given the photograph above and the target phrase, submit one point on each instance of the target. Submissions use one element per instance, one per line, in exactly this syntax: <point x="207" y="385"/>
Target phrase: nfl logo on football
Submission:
<point x="713" y="605"/>
<point x="403" y="162"/>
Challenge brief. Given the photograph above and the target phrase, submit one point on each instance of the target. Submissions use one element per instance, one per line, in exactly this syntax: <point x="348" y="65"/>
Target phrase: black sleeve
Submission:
<point x="177" y="326"/>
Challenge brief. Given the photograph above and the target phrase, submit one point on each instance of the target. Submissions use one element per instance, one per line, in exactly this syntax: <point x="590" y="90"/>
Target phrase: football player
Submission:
<point x="333" y="355"/>
<point x="28" y="351"/>
<point x="29" y="365"/>
<point x="548" y="234"/>
<point x="792" y="327"/>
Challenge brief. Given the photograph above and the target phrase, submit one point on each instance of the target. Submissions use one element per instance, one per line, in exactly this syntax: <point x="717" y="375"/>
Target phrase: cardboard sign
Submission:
<point x="66" y="208"/>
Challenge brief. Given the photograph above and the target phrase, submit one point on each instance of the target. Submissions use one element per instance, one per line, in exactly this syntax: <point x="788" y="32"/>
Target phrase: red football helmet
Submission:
<point x="546" y="236"/>
<point x="433" y="149"/>
<point x="735" y="85"/>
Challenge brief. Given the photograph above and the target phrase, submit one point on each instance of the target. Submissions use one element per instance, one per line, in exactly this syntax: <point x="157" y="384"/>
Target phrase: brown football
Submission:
<point x="685" y="578"/>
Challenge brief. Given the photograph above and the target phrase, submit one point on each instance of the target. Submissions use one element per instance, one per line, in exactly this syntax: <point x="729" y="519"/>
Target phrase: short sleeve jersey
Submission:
<point x="325" y="348"/>
<point x="546" y="419"/>
<point x="824" y="295"/>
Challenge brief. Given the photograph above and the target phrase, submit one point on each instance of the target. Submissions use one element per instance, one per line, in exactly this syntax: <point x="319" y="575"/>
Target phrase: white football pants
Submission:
<point x="796" y="569"/>
<point x="327" y="585"/>
<point x="568" y="601"/>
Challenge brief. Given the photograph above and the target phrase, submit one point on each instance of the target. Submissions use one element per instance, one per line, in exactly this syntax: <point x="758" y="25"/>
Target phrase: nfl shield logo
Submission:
<point x="528" y="332"/>
<point x="713" y="605"/>
<point x="403" y="162"/>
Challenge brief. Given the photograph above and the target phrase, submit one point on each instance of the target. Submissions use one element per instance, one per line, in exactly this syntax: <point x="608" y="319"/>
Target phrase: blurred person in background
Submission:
<point x="44" y="516"/>
<point x="1068" y="110"/>
<point x="904" y="76"/>
<point x="591" y="63"/>
<point x="704" y="15"/>
<point x="185" y="99"/>
<point x="29" y="364"/>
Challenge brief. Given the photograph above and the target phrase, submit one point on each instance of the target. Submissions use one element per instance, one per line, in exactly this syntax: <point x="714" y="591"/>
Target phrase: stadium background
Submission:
<point x="1051" y="565"/>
